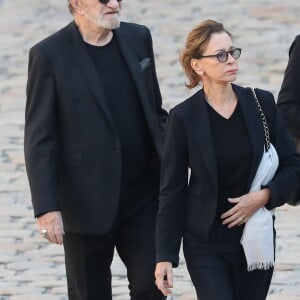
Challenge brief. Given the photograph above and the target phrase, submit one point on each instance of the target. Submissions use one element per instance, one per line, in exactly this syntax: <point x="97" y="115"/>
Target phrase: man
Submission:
<point x="93" y="134"/>
<point x="289" y="94"/>
<point x="289" y="101"/>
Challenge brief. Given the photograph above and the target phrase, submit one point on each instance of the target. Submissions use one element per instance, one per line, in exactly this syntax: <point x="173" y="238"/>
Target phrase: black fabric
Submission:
<point x="125" y="107"/>
<point x="190" y="203"/>
<point x="88" y="259"/>
<point x="219" y="271"/>
<point x="233" y="154"/>
<point x="289" y="94"/>
<point x="73" y="149"/>
<point x="74" y="142"/>
<point x="289" y="102"/>
<point x="137" y="149"/>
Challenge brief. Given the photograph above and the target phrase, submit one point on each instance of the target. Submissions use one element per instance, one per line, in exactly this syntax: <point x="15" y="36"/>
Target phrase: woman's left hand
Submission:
<point x="245" y="207"/>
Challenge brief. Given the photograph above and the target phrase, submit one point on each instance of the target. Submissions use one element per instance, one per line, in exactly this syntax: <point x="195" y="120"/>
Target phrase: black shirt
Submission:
<point x="233" y="154"/>
<point x="130" y="122"/>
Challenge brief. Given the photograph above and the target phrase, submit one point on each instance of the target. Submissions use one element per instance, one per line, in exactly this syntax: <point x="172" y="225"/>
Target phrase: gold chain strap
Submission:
<point x="264" y="120"/>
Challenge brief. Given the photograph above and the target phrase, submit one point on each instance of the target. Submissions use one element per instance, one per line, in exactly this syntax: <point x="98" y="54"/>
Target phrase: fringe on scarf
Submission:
<point x="260" y="266"/>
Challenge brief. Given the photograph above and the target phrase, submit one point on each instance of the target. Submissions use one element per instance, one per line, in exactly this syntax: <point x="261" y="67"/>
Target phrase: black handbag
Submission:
<point x="294" y="198"/>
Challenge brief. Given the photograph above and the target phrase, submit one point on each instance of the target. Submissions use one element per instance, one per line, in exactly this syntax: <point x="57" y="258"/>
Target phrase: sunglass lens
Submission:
<point x="235" y="53"/>
<point x="222" y="56"/>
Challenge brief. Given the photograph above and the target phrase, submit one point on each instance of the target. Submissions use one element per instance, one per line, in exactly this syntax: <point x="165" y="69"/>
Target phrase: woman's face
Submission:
<point x="210" y="68"/>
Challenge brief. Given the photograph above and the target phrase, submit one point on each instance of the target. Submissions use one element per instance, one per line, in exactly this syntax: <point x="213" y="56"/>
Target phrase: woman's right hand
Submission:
<point x="164" y="277"/>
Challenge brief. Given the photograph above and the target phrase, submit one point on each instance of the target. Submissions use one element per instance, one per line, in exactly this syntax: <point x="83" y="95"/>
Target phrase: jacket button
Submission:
<point x="117" y="149"/>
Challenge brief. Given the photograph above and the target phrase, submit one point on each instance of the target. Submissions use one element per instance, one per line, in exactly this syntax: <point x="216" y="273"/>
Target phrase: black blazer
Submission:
<point x="289" y="94"/>
<point x="72" y="149"/>
<point x="192" y="204"/>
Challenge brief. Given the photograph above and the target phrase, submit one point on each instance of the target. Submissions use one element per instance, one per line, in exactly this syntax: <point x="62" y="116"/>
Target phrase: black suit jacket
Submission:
<point x="289" y="94"/>
<point x="72" y="149"/>
<point x="191" y="204"/>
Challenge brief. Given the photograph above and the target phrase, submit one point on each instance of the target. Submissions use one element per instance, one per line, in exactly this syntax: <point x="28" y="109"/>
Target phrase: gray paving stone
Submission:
<point x="32" y="269"/>
<point x="38" y="297"/>
<point x="20" y="290"/>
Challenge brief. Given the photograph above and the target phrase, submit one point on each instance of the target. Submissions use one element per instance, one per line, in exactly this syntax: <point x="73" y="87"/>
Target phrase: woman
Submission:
<point x="218" y="134"/>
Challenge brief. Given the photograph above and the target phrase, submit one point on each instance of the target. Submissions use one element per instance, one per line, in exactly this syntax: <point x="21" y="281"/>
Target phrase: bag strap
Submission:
<point x="263" y="119"/>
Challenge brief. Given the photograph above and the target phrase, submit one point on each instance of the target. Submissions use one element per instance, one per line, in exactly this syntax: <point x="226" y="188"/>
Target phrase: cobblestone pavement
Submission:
<point x="32" y="269"/>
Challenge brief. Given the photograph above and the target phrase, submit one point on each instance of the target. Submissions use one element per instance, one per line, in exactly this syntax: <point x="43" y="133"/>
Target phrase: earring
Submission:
<point x="201" y="73"/>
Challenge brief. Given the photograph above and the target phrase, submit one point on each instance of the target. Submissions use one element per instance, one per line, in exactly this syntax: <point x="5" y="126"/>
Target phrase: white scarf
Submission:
<point x="258" y="236"/>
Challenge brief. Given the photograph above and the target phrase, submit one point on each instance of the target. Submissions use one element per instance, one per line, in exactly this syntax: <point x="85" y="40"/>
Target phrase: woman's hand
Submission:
<point x="164" y="277"/>
<point x="245" y="207"/>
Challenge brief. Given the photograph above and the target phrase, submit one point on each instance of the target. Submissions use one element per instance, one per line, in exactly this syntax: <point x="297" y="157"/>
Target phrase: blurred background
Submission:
<point x="32" y="269"/>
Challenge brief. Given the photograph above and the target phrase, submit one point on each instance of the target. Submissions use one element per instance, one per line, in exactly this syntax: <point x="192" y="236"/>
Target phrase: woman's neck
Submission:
<point x="221" y="98"/>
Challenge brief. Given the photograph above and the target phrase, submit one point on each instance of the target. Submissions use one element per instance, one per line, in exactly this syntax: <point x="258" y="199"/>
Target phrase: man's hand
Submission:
<point x="164" y="277"/>
<point x="51" y="225"/>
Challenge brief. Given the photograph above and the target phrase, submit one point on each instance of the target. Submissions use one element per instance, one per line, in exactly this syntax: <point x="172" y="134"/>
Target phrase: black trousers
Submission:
<point x="88" y="258"/>
<point x="218" y="267"/>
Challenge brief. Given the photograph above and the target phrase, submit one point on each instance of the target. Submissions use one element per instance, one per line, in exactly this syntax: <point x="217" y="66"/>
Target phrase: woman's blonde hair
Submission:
<point x="195" y="46"/>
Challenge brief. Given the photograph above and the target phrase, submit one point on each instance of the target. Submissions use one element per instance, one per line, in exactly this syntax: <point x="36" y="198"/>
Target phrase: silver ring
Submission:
<point x="241" y="219"/>
<point x="44" y="233"/>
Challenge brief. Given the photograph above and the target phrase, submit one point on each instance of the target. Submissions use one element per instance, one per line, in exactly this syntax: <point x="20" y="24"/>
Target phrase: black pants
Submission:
<point x="218" y="267"/>
<point x="88" y="259"/>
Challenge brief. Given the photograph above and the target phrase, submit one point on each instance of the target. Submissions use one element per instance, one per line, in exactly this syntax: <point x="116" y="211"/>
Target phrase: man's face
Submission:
<point x="102" y="15"/>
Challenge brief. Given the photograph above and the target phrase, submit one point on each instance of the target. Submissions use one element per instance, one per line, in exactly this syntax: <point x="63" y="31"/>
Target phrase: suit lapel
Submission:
<point x="87" y="69"/>
<point x="135" y="69"/>
<point x="254" y="125"/>
<point x="133" y="64"/>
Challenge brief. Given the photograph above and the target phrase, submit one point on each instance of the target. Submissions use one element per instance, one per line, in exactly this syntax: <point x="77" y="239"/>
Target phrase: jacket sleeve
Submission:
<point x="287" y="178"/>
<point x="289" y="94"/>
<point x="173" y="193"/>
<point x="40" y="134"/>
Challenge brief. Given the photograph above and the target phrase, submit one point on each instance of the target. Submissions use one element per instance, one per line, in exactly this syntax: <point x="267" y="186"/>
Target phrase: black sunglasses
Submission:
<point x="106" y="1"/>
<point x="222" y="56"/>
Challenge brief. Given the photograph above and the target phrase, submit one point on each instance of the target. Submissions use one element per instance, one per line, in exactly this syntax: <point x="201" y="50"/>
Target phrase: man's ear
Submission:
<point x="77" y="6"/>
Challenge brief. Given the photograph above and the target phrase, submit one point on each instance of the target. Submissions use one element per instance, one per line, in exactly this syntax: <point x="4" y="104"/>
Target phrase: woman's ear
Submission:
<point x="196" y="66"/>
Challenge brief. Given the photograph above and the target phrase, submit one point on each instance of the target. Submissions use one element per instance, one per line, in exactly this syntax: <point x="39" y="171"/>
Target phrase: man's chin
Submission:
<point x="112" y="23"/>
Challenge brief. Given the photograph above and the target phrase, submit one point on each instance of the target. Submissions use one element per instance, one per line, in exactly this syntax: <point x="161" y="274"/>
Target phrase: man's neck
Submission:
<point x="92" y="34"/>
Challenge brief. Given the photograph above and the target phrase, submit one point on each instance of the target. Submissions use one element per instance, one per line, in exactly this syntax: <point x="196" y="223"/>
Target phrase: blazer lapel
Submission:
<point x="87" y="69"/>
<point x="205" y="139"/>
<point x="253" y="123"/>
<point x="254" y="126"/>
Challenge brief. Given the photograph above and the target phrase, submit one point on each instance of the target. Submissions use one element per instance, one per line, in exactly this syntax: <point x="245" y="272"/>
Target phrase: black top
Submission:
<point x="126" y="111"/>
<point x="129" y="119"/>
<point x="233" y="153"/>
